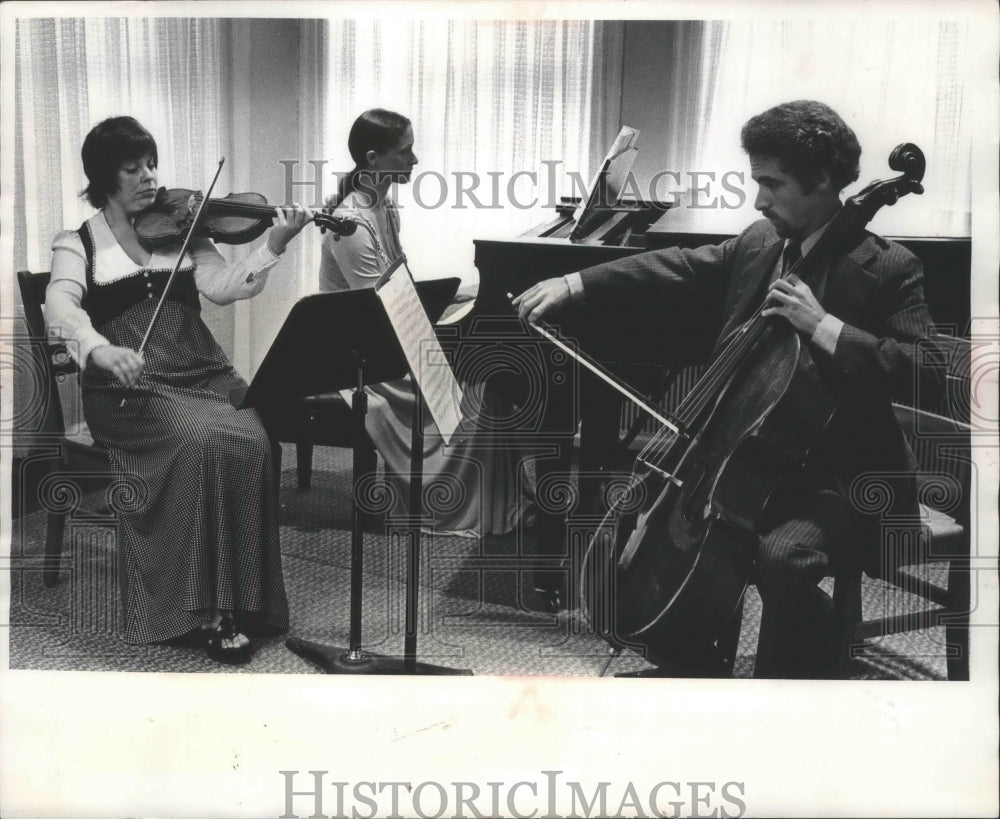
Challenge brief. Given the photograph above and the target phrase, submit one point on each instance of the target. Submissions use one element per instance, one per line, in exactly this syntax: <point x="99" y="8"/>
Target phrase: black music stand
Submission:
<point x="329" y="342"/>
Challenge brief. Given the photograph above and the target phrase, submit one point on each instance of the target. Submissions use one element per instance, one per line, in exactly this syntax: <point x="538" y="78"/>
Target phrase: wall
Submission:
<point x="646" y="53"/>
<point x="265" y="110"/>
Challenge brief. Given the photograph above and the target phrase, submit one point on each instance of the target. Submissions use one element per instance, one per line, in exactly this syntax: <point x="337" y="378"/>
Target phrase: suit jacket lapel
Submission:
<point x="842" y="289"/>
<point x="753" y="276"/>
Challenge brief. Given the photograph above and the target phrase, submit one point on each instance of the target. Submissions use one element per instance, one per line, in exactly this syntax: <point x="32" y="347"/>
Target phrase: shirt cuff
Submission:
<point x="84" y="344"/>
<point x="575" y="284"/>
<point x="270" y="250"/>
<point x="266" y="259"/>
<point x="827" y="333"/>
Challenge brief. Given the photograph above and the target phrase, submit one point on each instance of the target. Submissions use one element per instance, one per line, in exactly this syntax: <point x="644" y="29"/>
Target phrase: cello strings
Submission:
<point x="722" y="368"/>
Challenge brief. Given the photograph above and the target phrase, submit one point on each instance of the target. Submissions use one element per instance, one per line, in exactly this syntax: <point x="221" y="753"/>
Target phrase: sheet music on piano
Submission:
<point x="607" y="184"/>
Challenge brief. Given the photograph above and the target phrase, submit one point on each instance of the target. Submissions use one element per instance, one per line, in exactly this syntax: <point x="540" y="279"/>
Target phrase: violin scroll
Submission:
<point x="338" y="225"/>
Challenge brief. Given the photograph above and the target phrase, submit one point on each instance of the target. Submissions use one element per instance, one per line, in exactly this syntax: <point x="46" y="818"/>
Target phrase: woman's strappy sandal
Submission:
<point x="217" y="636"/>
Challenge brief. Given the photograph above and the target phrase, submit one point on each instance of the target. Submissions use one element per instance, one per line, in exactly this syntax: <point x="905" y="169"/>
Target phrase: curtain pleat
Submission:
<point x="74" y="72"/>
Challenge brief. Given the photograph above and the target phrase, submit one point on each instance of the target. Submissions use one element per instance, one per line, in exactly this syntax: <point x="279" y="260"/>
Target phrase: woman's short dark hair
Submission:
<point x="807" y="137"/>
<point x="109" y="144"/>
<point x="375" y="130"/>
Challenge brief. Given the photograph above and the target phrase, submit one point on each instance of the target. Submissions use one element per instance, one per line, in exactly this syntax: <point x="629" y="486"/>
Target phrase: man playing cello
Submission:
<point x="861" y="321"/>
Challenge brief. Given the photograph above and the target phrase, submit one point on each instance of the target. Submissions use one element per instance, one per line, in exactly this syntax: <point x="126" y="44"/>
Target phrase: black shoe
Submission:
<point x="549" y="592"/>
<point x="216" y="636"/>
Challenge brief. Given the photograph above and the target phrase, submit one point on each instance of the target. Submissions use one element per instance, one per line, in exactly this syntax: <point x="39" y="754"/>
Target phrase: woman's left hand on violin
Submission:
<point x="792" y="299"/>
<point x="288" y="223"/>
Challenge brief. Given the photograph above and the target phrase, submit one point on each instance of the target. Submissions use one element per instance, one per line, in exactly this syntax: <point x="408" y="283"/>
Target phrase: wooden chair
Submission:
<point x="78" y="460"/>
<point x="320" y="420"/>
<point x="941" y="535"/>
<point x="942" y="443"/>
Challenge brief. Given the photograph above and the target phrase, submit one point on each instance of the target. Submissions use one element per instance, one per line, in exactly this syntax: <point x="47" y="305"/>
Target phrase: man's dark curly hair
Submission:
<point x="808" y="137"/>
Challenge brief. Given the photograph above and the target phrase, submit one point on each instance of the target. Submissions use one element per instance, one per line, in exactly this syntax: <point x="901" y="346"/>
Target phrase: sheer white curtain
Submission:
<point x="72" y="73"/>
<point x="487" y="100"/>
<point x="892" y="81"/>
<point x="314" y="126"/>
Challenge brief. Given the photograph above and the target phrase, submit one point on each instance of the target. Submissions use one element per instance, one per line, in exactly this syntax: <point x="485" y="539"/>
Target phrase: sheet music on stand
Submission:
<point x="608" y="182"/>
<point x="421" y="347"/>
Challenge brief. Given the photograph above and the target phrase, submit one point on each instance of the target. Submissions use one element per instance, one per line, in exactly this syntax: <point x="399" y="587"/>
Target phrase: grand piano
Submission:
<point x="552" y="396"/>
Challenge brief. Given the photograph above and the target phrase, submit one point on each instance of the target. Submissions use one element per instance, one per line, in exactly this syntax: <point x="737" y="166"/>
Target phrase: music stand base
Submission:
<point x="335" y="660"/>
<point x="677" y="672"/>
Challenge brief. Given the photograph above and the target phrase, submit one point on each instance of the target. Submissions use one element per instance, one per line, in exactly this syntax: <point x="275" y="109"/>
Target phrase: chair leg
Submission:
<point x="957" y="626"/>
<point x="303" y="462"/>
<point x="54" y="530"/>
<point x="847" y="613"/>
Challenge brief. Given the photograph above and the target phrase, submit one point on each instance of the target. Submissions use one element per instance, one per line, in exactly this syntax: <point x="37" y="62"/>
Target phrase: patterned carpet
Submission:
<point x="476" y="601"/>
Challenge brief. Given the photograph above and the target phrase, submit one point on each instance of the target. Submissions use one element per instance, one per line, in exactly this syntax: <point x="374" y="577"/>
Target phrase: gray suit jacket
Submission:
<point x="876" y="289"/>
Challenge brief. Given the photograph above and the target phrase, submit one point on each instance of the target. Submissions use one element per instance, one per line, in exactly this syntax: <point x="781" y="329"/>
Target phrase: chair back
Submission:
<point x="52" y="360"/>
<point x="942" y="441"/>
<point x="956" y="403"/>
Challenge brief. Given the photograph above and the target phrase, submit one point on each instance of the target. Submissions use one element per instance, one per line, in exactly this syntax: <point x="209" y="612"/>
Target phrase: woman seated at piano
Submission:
<point x="481" y="486"/>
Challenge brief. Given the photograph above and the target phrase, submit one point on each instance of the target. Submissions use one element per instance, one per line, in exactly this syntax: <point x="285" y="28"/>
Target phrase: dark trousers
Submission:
<point x="798" y="637"/>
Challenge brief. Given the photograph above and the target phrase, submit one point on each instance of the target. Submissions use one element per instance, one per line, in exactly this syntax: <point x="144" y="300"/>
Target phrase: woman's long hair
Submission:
<point x="375" y="130"/>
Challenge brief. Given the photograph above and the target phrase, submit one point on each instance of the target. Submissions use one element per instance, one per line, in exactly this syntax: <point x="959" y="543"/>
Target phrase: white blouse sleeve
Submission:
<point x="355" y="256"/>
<point x="225" y="283"/>
<point x="65" y="317"/>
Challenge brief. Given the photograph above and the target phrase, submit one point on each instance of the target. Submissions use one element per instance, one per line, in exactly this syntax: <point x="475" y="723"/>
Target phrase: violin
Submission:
<point x="233" y="220"/>
<point x="180" y="215"/>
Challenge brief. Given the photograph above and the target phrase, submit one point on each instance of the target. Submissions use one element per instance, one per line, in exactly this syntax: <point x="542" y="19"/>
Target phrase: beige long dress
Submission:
<point x="477" y="484"/>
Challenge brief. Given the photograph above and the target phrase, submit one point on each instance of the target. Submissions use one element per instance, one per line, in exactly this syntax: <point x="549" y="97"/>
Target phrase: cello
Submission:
<point x="670" y="562"/>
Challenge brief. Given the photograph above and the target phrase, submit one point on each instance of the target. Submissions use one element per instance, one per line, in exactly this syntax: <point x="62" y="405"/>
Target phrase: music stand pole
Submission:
<point x="413" y="547"/>
<point x="354" y="659"/>
<point x="359" y="408"/>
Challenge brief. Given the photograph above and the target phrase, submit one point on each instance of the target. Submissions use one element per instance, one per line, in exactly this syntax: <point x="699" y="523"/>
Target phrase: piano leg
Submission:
<point x="551" y="583"/>
<point x="579" y="397"/>
<point x="600" y="457"/>
<point x="555" y="484"/>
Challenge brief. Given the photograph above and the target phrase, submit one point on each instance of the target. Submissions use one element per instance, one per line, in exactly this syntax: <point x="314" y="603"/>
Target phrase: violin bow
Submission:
<point x="177" y="266"/>
<point x="597" y="370"/>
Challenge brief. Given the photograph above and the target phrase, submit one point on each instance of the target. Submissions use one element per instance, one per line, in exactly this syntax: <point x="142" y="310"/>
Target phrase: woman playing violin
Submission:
<point x="199" y="542"/>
